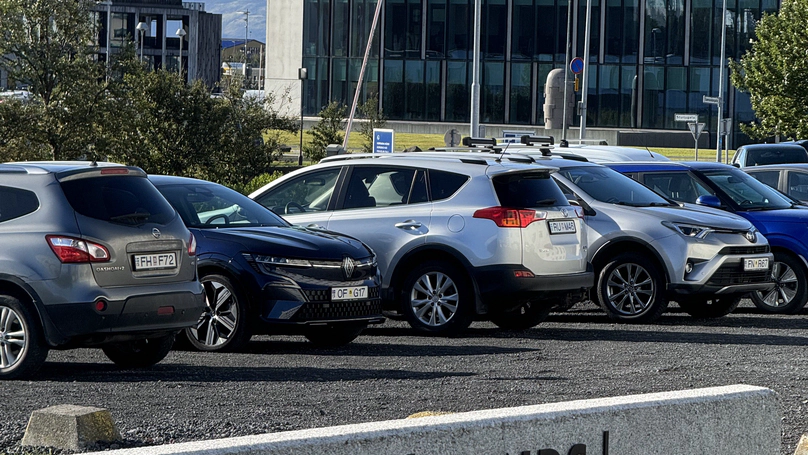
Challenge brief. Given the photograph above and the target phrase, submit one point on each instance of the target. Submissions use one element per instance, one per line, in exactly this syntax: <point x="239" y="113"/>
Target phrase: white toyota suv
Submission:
<point x="458" y="237"/>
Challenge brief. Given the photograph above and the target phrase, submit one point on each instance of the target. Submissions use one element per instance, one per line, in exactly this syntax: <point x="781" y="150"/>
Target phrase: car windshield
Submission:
<point x="207" y="205"/>
<point x="746" y="191"/>
<point x="608" y="185"/>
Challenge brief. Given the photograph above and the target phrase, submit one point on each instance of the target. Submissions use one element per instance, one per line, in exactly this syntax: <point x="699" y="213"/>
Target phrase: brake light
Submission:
<point x="192" y="246"/>
<point x="114" y="171"/>
<point x="71" y="250"/>
<point x="510" y="218"/>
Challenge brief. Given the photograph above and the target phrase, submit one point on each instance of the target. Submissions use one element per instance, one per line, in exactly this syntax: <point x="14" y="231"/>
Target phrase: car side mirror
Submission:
<point x="709" y="200"/>
<point x="738" y="165"/>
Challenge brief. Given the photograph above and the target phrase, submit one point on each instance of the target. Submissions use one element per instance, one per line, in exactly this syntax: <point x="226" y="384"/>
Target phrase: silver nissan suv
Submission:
<point x="457" y="237"/>
<point x="91" y="255"/>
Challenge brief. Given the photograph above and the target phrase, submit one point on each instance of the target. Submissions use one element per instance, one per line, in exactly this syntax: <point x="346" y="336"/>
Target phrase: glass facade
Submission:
<point x="650" y="59"/>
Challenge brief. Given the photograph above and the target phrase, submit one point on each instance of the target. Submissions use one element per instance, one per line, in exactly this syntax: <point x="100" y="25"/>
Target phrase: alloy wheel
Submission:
<point x="785" y="286"/>
<point x="12" y="337"/>
<point x="630" y="289"/>
<point x="434" y="299"/>
<point x="217" y="324"/>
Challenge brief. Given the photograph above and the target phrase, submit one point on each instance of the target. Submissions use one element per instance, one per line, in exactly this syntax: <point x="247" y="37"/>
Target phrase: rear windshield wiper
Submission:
<point x="132" y="218"/>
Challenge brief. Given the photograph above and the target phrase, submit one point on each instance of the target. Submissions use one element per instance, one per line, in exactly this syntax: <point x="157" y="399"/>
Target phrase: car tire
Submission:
<point x="525" y="316"/>
<point x="630" y="288"/>
<point x="711" y="307"/>
<point x="139" y="353"/>
<point x="223" y="326"/>
<point x="790" y="291"/>
<point x="334" y="335"/>
<point x="22" y="345"/>
<point x="437" y="299"/>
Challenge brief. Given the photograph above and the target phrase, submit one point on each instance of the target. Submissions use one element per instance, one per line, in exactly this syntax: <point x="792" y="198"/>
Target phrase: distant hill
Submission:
<point x="233" y="21"/>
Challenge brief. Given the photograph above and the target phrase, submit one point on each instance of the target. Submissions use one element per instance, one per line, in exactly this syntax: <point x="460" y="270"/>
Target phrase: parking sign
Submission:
<point x="383" y="141"/>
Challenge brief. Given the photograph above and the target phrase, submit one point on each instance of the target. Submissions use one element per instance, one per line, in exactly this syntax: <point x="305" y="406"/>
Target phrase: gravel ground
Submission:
<point x="283" y="383"/>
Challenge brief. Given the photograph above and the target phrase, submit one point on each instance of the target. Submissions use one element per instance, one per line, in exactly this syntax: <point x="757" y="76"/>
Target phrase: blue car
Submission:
<point x="780" y="219"/>
<point x="262" y="275"/>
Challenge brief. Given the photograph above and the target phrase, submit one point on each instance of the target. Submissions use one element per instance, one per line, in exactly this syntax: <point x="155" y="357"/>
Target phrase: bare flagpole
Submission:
<point x="362" y="74"/>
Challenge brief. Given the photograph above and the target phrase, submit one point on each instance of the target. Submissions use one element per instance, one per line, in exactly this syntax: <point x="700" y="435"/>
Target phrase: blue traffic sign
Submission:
<point x="577" y="65"/>
<point x="383" y="141"/>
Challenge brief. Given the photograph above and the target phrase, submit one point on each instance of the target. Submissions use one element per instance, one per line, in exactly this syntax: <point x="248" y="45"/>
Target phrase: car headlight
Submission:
<point x="277" y="261"/>
<point x="689" y="230"/>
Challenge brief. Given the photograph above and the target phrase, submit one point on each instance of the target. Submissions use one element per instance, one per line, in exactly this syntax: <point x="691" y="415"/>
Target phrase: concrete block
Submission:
<point x="727" y="420"/>
<point x="802" y="446"/>
<point x="70" y="427"/>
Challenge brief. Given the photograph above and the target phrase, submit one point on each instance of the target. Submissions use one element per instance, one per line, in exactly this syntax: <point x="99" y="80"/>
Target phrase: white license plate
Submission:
<point x="349" y="293"/>
<point x="155" y="261"/>
<point x="561" y="227"/>
<point x="755" y="264"/>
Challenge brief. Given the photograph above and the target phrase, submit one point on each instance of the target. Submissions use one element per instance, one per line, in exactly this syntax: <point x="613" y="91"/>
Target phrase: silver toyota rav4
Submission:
<point x="458" y="237"/>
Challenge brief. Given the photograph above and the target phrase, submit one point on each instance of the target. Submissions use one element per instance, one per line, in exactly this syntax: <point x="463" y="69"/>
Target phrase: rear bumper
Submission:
<point x="498" y="286"/>
<point x="144" y="314"/>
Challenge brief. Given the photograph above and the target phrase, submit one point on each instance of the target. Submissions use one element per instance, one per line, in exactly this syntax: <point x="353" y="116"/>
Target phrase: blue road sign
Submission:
<point x="383" y="141"/>
<point x="577" y="65"/>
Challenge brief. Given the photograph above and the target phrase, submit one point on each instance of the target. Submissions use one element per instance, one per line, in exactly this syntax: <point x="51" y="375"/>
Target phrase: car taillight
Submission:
<point x="510" y="218"/>
<point x="579" y="211"/>
<point x="72" y="250"/>
<point x="192" y="246"/>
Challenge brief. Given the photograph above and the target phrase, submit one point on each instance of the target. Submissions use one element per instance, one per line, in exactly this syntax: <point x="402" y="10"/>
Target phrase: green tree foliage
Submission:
<point x="374" y="119"/>
<point x="328" y="130"/>
<point x="775" y="73"/>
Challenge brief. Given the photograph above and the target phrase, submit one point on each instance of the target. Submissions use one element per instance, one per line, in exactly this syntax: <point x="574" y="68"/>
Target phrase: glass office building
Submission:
<point x="649" y="59"/>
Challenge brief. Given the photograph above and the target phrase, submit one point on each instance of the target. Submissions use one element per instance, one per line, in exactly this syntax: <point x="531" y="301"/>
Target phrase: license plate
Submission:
<point x="755" y="264"/>
<point x="349" y="293"/>
<point x="155" y="261"/>
<point x="561" y="227"/>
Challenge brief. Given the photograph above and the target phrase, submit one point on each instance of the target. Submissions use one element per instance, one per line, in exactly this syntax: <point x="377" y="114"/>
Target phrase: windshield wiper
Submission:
<point x="133" y="218"/>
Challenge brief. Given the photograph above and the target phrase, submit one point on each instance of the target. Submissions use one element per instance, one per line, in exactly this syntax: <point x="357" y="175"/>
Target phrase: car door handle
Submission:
<point x="409" y="224"/>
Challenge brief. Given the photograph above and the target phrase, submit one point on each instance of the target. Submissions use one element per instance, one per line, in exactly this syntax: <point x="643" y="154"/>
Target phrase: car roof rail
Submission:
<point x="587" y="141"/>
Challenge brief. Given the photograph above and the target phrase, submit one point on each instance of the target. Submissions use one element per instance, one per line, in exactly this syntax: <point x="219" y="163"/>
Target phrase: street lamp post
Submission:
<point x="246" y="14"/>
<point x="302" y="74"/>
<point x="719" y="126"/>
<point x="141" y="27"/>
<point x="181" y="35"/>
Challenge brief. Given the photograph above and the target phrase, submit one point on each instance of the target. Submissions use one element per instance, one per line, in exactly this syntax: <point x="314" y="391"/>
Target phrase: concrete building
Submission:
<point x="649" y="59"/>
<point x="160" y="38"/>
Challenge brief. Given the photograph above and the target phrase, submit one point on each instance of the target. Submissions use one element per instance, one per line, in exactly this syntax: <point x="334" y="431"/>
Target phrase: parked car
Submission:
<point x="779" y="219"/>
<point x="91" y="255"/>
<point x="265" y="276"/>
<point x="458" y="237"/>
<point x="791" y="179"/>
<point x="762" y="154"/>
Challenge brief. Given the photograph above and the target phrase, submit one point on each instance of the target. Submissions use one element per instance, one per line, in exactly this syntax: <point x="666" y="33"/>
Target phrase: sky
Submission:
<point x="233" y="24"/>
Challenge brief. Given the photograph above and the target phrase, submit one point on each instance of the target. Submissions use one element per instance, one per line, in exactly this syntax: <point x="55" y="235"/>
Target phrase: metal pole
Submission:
<point x="300" y="151"/>
<point x="361" y="74"/>
<point x="246" y="32"/>
<point x="567" y="69"/>
<point x="109" y="25"/>
<point x="475" y="73"/>
<point x="584" y="91"/>
<point x="720" y="143"/>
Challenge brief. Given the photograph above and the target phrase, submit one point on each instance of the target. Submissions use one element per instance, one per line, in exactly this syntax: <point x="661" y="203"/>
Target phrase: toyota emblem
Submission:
<point x="156" y="233"/>
<point x="348" y="266"/>
<point x="564" y="213"/>
<point x="751" y="236"/>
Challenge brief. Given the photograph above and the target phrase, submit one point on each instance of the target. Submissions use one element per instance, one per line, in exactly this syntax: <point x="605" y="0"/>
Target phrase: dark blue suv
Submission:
<point x="779" y="218"/>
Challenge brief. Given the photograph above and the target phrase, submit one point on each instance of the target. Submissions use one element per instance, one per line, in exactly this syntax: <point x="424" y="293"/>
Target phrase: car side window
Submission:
<point x="377" y="186"/>
<point x="771" y="178"/>
<point x="307" y="193"/>
<point x="419" y="191"/>
<point x="797" y="185"/>
<point x="15" y="203"/>
<point x="679" y="186"/>
<point x="444" y="185"/>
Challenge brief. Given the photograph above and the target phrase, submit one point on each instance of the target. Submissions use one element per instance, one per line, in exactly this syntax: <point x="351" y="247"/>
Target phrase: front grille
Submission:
<point x="752" y="249"/>
<point x="317" y="311"/>
<point x="733" y="274"/>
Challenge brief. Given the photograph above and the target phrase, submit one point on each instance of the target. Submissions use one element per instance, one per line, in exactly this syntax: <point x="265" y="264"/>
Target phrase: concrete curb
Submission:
<point x="71" y="427"/>
<point x="727" y="420"/>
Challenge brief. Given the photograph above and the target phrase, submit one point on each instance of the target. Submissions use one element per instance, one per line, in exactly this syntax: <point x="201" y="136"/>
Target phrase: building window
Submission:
<point x="364" y="10"/>
<point x="414" y="89"/>
<point x="523" y="39"/>
<point x="316" y="27"/>
<point x="436" y="29"/>
<point x="458" y="26"/>
<point x="493" y="92"/>
<point x="394" y="88"/>
<point x="433" y="99"/>
<point x="520" y="93"/>
<point x="403" y="28"/>
<point x="622" y="31"/>
<point x="495" y="25"/>
<point x="653" y="97"/>
<point x="341" y="19"/>
<point x="594" y="30"/>
<point x="457" y="91"/>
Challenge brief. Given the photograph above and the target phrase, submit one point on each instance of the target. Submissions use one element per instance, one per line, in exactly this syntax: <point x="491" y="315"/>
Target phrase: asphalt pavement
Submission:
<point x="284" y="383"/>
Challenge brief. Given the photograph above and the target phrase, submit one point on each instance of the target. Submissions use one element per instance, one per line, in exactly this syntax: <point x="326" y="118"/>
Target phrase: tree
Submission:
<point x="328" y="130"/>
<point x="775" y="73"/>
<point x="45" y="45"/>
<point x="374" y="118"/>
